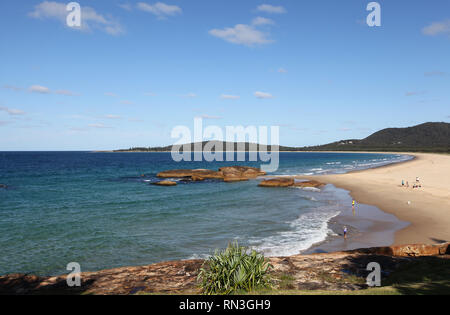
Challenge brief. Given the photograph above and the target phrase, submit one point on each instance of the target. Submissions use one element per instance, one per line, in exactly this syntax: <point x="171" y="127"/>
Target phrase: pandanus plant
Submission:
<point x="234" y="269"/>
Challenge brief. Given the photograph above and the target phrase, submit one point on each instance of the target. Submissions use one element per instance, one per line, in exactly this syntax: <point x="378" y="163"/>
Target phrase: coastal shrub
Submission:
<point x="234" y="269"/>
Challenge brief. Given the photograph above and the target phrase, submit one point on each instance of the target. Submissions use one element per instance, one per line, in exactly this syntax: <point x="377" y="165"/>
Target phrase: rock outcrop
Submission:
<point x="290" y="182"/>
<point x="327" y="271"/>
<point x="165" y="183"/>
<point x="309" y="184"/>
<point x="277" y="182"/>
<point x="227" y="174"/>
<point x="415" y="250"/>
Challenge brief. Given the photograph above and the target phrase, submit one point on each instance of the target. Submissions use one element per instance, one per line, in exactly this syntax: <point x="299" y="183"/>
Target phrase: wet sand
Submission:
<point x="427" y="209"/>
<point x="367" y="226"/>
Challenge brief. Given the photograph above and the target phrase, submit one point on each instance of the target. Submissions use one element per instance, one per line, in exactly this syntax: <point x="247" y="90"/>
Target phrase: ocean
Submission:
<point x="100" y="209"/>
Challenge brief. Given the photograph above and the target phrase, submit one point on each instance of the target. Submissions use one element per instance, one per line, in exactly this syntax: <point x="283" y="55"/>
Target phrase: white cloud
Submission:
<point x="242" y="34"/>
<point x="271" y="9"/>
<point x="125" y="102"/>
<point x="13" y="88"/>
<point x="414" y="93"/>
<point x="113" y="117"/>
<point x="190" y="95"/>
<point x="99" y="126"/>
<point x="125" y="6"/>
<point x="160" y="9"/>
<point x="65" y="92"/>
<point x="262" y="21"/>
<point x="282" y="70"/>
<point x="434" y="74"/>
<point x="230" y="97"/>
<point x="210" y="117"/>
<point x="437" y="28"/>
<point x="39" y="89"/>
<point x="45" y="90"/>
<point x="13" y="112"/>
<point x="89" y="17"/>
<point x="263" y="95"/>
<point x="110" y="94"/>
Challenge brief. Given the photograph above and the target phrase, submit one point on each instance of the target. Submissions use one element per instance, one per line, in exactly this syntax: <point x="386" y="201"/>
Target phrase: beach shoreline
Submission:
<point x="426" y="209"/>
<point x="367" y="225"/>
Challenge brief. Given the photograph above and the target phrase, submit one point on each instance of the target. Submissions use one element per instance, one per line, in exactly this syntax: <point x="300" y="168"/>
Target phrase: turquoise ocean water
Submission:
<point x="98" y="210"/>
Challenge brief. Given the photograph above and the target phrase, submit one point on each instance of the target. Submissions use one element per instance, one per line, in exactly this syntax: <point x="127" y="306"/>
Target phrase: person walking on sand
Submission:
<point x="345" y="232"/>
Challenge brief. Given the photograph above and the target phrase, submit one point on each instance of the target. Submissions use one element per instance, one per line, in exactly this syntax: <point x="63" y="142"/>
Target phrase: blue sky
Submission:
<point x="137" y="69"/>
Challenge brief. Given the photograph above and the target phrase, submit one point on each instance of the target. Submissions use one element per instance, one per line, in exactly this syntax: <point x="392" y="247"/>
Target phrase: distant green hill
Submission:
<point x="236" y="147"/>
<point x="428" y="137"/>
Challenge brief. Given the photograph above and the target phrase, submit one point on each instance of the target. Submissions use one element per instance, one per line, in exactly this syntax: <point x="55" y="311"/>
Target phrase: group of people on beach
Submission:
<point x="417" y="184"/>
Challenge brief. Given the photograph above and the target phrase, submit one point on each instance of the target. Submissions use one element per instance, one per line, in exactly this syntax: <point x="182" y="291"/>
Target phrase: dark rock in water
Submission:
<point x="3" y="186"/>
<point x="165" y="183"/>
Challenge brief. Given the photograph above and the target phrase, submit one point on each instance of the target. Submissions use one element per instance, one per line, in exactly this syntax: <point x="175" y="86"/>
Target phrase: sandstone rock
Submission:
<point x="242" y="171"/>
<point x="415" y="250"/>
<point x="444" y="249"/>
<point x="234" y="179"/>
<point x="176" y="174"/>
<point x="207" y="174"/>
<point x="324" y="271"/>
<point x="165" y="183"/>
<point x="196" y="178"/>
<point x="277" y="182"/>
<point x="227" y="174"/>
<point x="310" y="183"/>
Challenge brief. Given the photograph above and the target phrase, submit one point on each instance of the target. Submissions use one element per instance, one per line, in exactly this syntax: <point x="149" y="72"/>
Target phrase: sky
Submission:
<point x="135" y="70"/>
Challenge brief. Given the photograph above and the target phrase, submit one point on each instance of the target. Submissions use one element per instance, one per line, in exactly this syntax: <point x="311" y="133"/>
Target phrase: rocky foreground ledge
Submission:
<point x="329" y="271"/>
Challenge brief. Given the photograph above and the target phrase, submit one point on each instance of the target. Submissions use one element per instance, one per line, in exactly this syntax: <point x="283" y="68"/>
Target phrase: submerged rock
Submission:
<point x="3" y="186"/>
<point x="165" y="183"/>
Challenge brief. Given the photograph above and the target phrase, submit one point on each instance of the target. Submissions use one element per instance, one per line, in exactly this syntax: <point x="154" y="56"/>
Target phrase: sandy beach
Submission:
<point x="427" y="209"/>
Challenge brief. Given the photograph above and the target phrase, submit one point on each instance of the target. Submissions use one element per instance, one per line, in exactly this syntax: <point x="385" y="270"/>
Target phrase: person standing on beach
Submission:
<point x="345" y="232"/>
